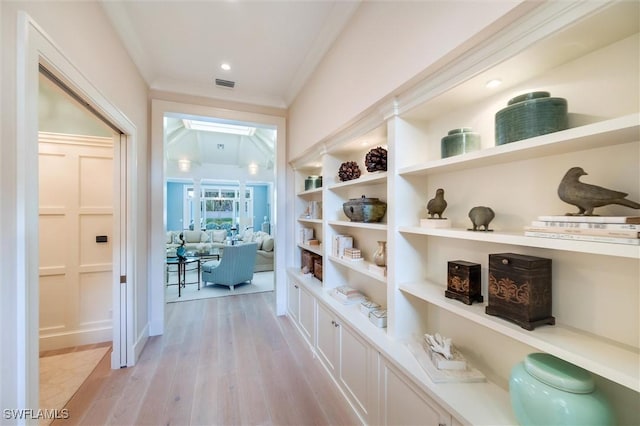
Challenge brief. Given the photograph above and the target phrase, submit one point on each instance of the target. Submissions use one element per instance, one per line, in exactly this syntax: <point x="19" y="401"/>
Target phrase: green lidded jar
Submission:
<point x="529" y="115"/>
<point x="459" y="141"/>
<point x="546" y="390"/>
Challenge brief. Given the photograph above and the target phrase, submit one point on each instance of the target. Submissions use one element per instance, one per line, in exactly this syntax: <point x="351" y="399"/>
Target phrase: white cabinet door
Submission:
<point x="403" y="404"/>
<point x="358" y="373"/>
<point x="293" y="300"/>
<point x="327" y="343"/>
<point x="307" y="315"/>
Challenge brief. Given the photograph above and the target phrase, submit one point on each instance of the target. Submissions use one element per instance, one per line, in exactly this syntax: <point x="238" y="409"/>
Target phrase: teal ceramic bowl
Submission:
<point x="546" y="390"/>
<point x="529" y="115"/>
<point x="459" y="141"/>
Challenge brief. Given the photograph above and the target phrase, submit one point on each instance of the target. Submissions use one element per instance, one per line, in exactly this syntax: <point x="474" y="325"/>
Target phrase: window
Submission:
<point x="219" y="207"/>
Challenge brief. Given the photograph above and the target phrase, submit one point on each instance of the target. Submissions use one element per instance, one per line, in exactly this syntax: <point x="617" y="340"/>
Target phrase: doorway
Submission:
<point x="160" y="172"/>
<point x="36" y="51"/>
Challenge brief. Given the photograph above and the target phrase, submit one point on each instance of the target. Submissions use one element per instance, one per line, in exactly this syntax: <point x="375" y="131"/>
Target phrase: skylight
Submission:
<point x="208" y="126"/>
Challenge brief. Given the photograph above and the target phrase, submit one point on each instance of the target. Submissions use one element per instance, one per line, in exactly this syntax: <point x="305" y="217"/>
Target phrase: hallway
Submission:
<point x="225" y="360"/>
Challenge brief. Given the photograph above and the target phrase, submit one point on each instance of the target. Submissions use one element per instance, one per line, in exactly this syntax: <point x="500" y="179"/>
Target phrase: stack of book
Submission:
<point x="340" y="243"/>
<point x="352" y="254"/>
<point x="348" y="295"/>
<point x="306" y="234"/>
<point x="605" y="229"/>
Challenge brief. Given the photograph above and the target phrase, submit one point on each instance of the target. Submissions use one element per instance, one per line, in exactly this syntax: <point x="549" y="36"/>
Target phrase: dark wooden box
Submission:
<point x="317" y="267"/>
<point x="463" y="281"/>
<point x="306" y="262"/>
<point x="520" y="289"/>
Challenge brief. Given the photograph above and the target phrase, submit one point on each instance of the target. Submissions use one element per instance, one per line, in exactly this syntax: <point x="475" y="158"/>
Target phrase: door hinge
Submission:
<point x="123" y="279"/>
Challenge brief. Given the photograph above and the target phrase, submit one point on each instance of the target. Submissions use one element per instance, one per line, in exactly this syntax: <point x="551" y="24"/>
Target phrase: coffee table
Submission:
<point x="182" y="271"/>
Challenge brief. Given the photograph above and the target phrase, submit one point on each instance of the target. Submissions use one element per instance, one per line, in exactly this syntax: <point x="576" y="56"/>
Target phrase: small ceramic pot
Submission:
<point x="546" y="390"/>
<point x="312" y="182"/>
<point x="365" y="209"/>
<point x="530" y="115"/>
<point x="459" y="141"/>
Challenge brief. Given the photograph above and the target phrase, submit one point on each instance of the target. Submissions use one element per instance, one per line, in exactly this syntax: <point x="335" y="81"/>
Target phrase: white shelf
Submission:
<point x="364" y="225"/>
<point x="367" y="179"/>
<point x="306" y="220"/>
<point x="309" y="192"/>
<point x="518" y="239"/>
<point x="615" y="362"/>
<point x="360" y="266"/>
<point x="313" y="249"/>
<point x="491" y="404"/>
<point x="605" y="133"/>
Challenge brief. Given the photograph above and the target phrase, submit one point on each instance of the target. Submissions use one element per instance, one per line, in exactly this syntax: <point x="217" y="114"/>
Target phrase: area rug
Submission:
<point x="61" y="376"/>
<point x="262" y="281"/>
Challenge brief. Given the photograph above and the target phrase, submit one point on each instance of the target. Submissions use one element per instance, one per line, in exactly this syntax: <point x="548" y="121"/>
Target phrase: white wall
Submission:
<point x="82" y="33"/>
<point x="385" y="45"/>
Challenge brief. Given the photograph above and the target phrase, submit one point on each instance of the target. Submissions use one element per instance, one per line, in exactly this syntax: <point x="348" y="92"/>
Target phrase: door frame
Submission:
<point x="36" y="48"/>
<point x="157" y="251"/>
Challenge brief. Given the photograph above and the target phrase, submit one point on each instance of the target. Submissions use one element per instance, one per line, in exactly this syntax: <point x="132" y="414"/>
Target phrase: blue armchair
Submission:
<point x="235" y="267"/>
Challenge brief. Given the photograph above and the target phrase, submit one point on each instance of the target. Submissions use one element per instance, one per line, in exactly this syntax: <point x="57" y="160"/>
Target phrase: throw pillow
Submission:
<point x="204" y="237"/>
<point x="247" y="237"/>
<point x="258" y="240"/>
<point x="176" y="238"/>
<point x="169" y="237"/>
<point x="267" y="244"/>
<point x="192" y="236"/>
<point x="218" y="235"/>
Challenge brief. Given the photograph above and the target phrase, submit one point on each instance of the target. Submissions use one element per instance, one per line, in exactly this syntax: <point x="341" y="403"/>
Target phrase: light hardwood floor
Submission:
<point x="222" y="361"/>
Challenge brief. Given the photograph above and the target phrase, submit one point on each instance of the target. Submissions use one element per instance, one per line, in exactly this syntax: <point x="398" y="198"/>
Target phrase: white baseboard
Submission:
<point x="138" y="346"/>
<point x="68" y="339"/>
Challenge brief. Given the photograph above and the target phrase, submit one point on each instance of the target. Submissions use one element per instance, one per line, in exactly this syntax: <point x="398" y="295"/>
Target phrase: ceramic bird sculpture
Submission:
<point x="587" y="197"/>
<point x="437" y="205"/>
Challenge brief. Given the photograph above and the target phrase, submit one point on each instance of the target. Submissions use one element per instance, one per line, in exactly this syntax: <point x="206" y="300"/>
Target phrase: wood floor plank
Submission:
<point x="222" y="361"/>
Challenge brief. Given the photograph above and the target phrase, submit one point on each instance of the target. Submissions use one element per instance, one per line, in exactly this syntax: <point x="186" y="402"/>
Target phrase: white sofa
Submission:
<point x="205" y="241"/>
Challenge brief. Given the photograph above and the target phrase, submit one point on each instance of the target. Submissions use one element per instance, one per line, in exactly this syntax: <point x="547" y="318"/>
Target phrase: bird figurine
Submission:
<point x="587" y="197"/>
<point x="436" y="205"/>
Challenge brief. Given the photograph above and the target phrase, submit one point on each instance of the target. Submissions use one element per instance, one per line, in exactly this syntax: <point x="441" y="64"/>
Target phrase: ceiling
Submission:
<point x="271" y="46"/>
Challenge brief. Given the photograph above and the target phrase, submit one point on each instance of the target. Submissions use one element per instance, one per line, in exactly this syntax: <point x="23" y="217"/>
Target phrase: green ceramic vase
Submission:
<point x="546" y="390"/>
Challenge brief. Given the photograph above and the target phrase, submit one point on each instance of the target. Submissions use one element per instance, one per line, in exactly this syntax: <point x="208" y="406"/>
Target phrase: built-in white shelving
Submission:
<point x="313" y="249"/>
<point x="518" y="181"/>
<point x="367" y="179"/>
<point x="605" y="133"/>
<point x="615" y="362"/>
<point x="360" y="266"/>
<point x="518" y="238"/>
<point x="306" y="220"/>
<point x="362" y="225"/>
<point x="310" y="192"/>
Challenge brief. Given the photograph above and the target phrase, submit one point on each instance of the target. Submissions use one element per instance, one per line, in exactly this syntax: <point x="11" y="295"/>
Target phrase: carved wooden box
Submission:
<point x="520" y="289"/>
<point x="317" y="267"/>
<point x="306" y="262"/>
<point x="463" y="281"/>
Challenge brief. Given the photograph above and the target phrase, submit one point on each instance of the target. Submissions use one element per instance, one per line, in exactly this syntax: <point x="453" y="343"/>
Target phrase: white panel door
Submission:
<point x="76" y="206"/>
<point x="327" y="342"/>
<point x="404" y="404"/>
<point x="358" y="372"/>
<point x="307" y="315"/>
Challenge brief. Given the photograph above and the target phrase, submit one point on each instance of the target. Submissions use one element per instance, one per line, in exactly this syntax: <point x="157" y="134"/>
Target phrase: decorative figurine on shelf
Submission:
<point x="376" y="160"/>
<point x="349" y="170"/>
<point x="437" y="205"/>
<point x="587" y="197"/>
<point x="481" y="216"/>
<point x="439" y="344"/>
<point x="181" y="251"/>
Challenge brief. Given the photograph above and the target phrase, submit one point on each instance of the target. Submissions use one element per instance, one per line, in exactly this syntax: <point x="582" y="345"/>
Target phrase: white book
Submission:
<point x="592" y="219"/>
<point x="342" y="242"/>
<point x="592" y="238"/>
<point x="619" y="233"/>
<point x="586" y="225"/>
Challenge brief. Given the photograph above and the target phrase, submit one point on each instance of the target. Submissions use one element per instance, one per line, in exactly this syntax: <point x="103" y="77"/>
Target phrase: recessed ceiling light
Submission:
<point x="493" y="83"/>
<point x="225" y="66"/>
